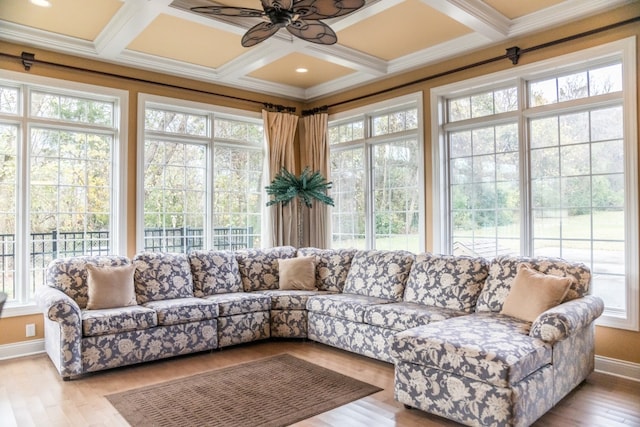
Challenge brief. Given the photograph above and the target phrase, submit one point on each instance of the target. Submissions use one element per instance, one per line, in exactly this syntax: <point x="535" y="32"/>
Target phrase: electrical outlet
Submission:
<point x="31" y="330"/>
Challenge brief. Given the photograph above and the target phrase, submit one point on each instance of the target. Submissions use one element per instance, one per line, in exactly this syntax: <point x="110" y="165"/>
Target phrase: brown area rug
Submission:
<point x="275" y="391"/>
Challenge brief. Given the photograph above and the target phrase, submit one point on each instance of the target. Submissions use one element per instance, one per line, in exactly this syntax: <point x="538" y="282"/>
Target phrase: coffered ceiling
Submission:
<point x="383" y="38"/>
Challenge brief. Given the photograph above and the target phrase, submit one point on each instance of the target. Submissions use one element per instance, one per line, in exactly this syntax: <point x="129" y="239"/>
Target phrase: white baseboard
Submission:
<point x="605" y="365"/>
<point x="20" y="349"/>
<point x="619" y="368"/>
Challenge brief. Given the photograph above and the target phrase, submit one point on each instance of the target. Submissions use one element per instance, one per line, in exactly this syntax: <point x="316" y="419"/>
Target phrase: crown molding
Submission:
<point x="476" y="15"/>
<point x="50" y="41"/>
<point x="560" y="13"/>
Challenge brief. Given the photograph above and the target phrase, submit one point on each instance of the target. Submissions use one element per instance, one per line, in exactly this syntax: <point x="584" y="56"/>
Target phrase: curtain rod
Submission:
<point x="29" y="59"/>
<point x="512" y="53"/>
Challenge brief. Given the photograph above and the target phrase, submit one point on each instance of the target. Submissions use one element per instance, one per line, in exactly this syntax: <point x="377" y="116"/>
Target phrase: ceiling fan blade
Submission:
<point x="323" y="9"/>
<point x="277" y="4"/>
<point x="228" y="11"/>
<point x="313" y="31"/>
<point x="259" y="33"/>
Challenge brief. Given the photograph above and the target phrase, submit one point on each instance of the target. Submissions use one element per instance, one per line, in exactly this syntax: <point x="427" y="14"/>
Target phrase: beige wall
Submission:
<point x="610" y="342"/>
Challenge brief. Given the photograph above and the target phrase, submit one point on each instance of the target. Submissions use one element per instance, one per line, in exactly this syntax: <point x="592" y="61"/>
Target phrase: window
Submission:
<point x="543" y="163"/>
<point x="63" y="145"/>
<point x="376" y="170"/>
<point x="202" y="178"/>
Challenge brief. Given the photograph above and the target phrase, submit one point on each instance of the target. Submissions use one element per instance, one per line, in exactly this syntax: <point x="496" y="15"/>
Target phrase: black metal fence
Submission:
<point x="43" y="247"/>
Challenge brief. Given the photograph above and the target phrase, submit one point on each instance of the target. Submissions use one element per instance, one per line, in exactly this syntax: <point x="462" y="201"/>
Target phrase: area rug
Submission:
<point x="270" y="392"/>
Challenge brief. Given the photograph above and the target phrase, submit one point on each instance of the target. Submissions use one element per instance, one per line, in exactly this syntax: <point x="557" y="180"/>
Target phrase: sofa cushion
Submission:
<point x="488" y="347"/>
<point x="115" y="320"/>
<point x="405" y="315"/>
<point x="214" y="272"/>
<point x="332" y="267"/>
<point x="446" y="281"/>
<point x="344" y="306"/>
<point x="183" y="310"/>
<point x="379" y="274"/>
<point x="297" y="273"/>
<point x="503" y="270"/>
<point x="259" y="267"/>
<point x="290" y="299"/>
<point x="70" y="274"/>
<point x="161" y="276"/>
<point x="533" y="293"/>
<point x="240" y="302"/>
<point x="110" y="287"/>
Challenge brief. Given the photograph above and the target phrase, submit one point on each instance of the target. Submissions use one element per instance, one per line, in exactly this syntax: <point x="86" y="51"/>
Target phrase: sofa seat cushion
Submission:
<point x="115" y="320"/>
<point x="291" y="299"/>
<point x="344" y="306"/>
<point x="183" y="310"/>
<point x="240" y="302"/>
<point x="488" y="347"/>
<point x="405" y="315"/>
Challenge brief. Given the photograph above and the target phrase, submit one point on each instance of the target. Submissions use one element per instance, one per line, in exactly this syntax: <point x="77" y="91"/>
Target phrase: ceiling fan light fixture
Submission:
<point x="40" y="3"/>
<point x="301" y="18"/>
<point x="301" y="70"/>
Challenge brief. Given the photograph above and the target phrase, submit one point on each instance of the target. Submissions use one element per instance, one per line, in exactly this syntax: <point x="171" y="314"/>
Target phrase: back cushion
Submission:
<point x="259" y="267"/>
<point x="446" y="281"/>
<point x="70" y="274"/>
<point x="332" y="267"/>
<point x="161" y="276"/>
<point x="502" y="271"/>
<point x="214" y="272"/>
<point x="380" y="274"/>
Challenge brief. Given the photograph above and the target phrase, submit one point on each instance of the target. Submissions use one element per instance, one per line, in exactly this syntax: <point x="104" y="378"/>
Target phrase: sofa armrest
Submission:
<point x="58" y="306"/>
<point x="565" y="319"/>
<point x="64" y="341"/>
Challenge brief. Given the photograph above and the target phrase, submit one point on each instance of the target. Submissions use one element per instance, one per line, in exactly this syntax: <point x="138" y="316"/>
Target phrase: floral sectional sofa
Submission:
<point x="450" y="324"/>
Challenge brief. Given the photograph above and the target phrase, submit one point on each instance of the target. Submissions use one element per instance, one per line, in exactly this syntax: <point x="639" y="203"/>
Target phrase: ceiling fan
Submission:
<point x="300" y="17"/>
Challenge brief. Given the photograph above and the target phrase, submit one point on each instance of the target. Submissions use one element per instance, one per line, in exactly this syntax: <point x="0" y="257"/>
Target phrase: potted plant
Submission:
<point x="305" y="189"/>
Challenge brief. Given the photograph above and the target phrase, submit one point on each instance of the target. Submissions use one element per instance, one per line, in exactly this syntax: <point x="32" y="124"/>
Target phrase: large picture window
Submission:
<point x="63" y="147"/>
<point x="376" y="170"/>
<point x="202" y="178"/>
<point x="544" y="163"/>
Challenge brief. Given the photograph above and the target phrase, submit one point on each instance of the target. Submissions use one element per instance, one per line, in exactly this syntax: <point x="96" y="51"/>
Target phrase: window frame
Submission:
<point x="623" y="50"/>
<point x="28" y="83"/>
<point x="369" y="141"/>
<point x="212" y="112"/>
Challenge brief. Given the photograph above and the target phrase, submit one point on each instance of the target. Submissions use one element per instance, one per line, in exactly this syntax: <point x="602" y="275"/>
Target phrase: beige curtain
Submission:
<point x="314" y="153"/>
<point x="280" y="131"/>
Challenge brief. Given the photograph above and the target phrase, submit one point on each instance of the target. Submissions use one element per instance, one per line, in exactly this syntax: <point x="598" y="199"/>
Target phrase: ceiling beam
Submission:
<point x="476" y="15"/>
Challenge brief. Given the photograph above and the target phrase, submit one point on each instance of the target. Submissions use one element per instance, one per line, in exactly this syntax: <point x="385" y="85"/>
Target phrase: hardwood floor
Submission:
<point x="33" y="394"/>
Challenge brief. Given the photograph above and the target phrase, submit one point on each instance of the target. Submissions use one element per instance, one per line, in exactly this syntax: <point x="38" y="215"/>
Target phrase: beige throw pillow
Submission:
<point x="110" y="287"/>
<point x="298" y="273"/>
<point x="533" y="292"/>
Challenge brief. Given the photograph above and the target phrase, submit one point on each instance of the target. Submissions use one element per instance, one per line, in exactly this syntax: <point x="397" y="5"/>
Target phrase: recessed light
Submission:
<point x="41" y="3"/>
<point x="301" y="70"/>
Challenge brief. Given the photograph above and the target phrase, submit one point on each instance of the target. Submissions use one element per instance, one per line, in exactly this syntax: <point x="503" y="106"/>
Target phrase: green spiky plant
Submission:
<point x="306" y="188"/>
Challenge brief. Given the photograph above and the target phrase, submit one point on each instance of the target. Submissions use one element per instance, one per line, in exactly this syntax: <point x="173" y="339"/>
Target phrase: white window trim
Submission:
<point x="625" y="48"/>
<point x="118" y="223"/>
<point x="371" y="110"/>
<point x="211" y="110"/>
